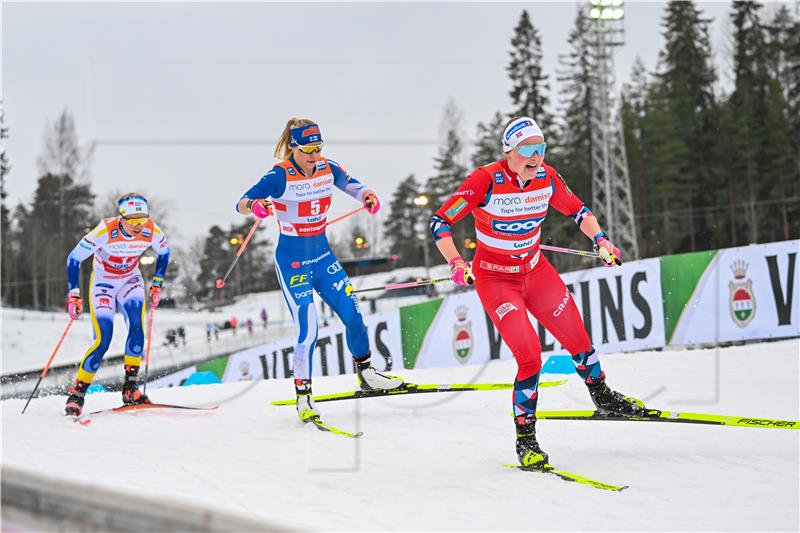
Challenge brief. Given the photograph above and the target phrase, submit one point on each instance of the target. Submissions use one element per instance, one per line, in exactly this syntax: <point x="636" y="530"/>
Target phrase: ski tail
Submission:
<point x="322" y="426"/>
<point x="675" y="417"/>
<point x="568" y="476"/>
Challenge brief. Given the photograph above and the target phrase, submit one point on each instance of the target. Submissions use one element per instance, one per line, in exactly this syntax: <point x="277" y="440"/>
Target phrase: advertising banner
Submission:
<point x="744" y="293"/>
<point x="331" y="356"/>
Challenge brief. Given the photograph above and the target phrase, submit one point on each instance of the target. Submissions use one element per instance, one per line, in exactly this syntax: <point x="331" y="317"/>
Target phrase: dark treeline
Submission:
<point x="708" y="169"/>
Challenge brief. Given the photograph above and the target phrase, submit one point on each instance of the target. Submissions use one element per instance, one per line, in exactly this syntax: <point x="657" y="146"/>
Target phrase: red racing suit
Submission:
<point x="512" y="278"/>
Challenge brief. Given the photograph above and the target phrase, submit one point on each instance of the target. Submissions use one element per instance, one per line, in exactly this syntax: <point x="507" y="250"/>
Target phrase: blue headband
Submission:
<point x="302" y="135"/>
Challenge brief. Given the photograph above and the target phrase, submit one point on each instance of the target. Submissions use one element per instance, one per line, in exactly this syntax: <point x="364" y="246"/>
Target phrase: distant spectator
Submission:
<point x="234" y="324"/>
<point x="264" y="317"/>
<point x="209" y="329"/>
<point x="216" y="332"/>
<point x="249" y="326"/>
<point x="171" y="337"/>
<point x="182" y="335"/>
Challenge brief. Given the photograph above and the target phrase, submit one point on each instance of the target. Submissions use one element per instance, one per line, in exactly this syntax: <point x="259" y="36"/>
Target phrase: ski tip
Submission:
<point x="82" y="421"/>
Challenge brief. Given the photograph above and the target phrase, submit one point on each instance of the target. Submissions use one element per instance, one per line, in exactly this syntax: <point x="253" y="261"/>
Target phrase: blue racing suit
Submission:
<point x="304" y="261"/>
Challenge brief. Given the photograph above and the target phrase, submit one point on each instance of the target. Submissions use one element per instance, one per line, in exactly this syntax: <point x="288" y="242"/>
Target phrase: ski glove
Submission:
<point x="460" y="272"/>
<point x="155" y="293"/>
<point x="74" y="304"/>
<point x="262" y="208"/>
<point x="609" y="253"/>
<point x="372" y="204"/>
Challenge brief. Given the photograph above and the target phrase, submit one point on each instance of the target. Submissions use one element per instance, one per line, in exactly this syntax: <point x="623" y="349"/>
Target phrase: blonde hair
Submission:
<point x="282" y="149"/>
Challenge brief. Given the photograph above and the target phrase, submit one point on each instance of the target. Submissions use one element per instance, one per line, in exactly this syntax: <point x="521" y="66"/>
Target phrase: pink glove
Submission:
<point x="155" y="295"/>
<point x="609" y="253"/>
<point x="372" y="204"/>
<point x="262" y="208"/>
<point x="460" y="272"/>
<point x="74" y="305"/>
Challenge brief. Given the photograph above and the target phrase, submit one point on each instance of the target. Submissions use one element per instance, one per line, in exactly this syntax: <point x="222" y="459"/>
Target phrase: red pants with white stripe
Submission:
<point x="507" y="298"/>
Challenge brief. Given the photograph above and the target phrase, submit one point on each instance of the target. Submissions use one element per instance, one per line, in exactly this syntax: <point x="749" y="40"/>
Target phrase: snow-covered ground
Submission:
<point x="434" y="461"/>
<point x="28" y="337"/>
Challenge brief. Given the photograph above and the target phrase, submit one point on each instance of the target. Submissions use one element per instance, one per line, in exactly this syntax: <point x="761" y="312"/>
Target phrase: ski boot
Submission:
<point x="371" y="379"/>
<point x="131" y="395"/>
<point x="528" y="451"/>
<point x="77" y="394"/>
<point x="306" y="409"/>
<point x="611" y="402"/>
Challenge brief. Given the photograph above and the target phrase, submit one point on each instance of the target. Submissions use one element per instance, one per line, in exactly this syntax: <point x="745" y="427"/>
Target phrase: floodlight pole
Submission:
<point x="611" y="189"/>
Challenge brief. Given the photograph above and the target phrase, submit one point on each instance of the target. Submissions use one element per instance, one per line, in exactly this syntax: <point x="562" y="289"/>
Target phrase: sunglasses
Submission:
<point x="311" y="149"/>
<point x="140" y="221"/>
<point x="529" y="149"/>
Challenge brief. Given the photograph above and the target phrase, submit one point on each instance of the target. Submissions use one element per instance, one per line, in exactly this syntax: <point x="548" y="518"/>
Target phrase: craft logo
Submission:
<point x="742" y="300"/>
<point x="462" y="335"/>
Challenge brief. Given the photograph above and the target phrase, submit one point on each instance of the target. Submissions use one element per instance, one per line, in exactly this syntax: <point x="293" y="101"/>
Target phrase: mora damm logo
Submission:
<point x="742" y="300"/>
<point x="462" y="335"/>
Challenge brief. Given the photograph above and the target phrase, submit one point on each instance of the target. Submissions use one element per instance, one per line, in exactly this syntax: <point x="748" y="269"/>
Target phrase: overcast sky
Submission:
<point x="141" y="78"/>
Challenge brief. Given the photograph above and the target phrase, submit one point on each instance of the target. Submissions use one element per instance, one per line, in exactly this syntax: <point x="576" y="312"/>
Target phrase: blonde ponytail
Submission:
<point x="282" y="149"/>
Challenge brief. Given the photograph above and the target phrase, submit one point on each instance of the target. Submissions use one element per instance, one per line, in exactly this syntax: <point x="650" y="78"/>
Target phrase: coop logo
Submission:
<point x="298" y="280"/>
<point x="516" y="227"/>
<point x="499" y="178"/>
<point x="291" y="171"/>
<point x="563" y="305"/>
<point x="504" y="308"/>
<point x="742" y="301"/>
<point x="462" y="335"/>
<point x="542" y="173"/>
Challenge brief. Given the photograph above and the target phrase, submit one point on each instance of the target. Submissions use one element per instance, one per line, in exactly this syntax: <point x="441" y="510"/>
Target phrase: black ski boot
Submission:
<point x="528" y="451"/>
<point x="77" y="394"/>
<point x="131" y="395"/>
<point x="611" y="402"/>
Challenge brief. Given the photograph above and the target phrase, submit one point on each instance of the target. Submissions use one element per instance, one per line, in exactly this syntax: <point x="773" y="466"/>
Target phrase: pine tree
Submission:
<point x="58" y="218"/>
<point x="406" y="228"/>
<point x="634" y="109"/>
<point x="488" y="143"/>
<point x="687" y="78"/>
<point x="760" y="147"/>
<point x="528" y="82"/>
<point x="6" y="259"/>
<point x="252" y="273"/>
<point x="450" y="174"/>
<point x="575" y="151"/>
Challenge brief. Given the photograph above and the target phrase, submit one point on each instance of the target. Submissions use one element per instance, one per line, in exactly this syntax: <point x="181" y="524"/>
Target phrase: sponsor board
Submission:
<point x="745" y="293"/>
